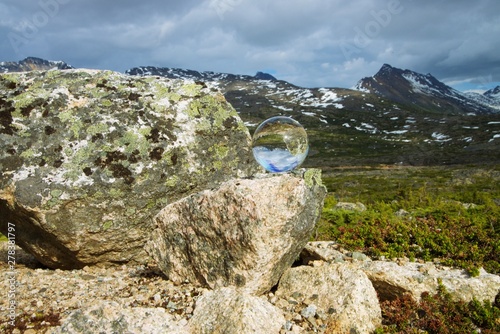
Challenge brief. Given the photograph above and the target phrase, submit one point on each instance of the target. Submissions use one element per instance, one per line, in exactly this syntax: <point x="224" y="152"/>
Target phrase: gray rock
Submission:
<point x="230" y="310"/>
<point x="340" y="290"/>
<point x="110" y="317"/>
<point x="357" y="256"/>
<point x="245" y="233"/>
<point x="392" y="281"/>
<point x="358" y="206"/>
<point x="402" y="213"/>
<point x="89" y="157"/>
<point x="309" y="311"/>
<point x="321" y="251"/>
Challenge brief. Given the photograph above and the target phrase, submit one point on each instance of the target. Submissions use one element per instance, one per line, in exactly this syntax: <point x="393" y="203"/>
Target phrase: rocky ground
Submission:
<point x="45" y="298"/>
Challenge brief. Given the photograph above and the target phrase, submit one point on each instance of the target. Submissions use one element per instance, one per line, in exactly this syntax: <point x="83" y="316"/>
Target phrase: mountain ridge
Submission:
<point x="425" y="91"/>
<point x="179" y="73"/>
<point x="398" y="85"/>
<point x="32" y="64"/>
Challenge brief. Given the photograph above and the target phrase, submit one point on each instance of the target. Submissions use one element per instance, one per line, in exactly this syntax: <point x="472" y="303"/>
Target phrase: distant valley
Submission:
<point x="396" y="117"/>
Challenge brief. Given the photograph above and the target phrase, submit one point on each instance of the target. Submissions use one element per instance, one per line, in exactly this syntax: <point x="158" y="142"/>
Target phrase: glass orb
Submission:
<point x="280" y="144"/>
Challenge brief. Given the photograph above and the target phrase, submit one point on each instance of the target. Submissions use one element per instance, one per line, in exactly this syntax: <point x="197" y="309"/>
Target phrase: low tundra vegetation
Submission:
<point x="446" y="215"/>
<point x="439" y="314"/>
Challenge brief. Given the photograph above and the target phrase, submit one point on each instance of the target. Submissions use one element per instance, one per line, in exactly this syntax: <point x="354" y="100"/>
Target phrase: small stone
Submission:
<point x="317" y="263"/>
<point x="357" y="256"/>
<point x="312" y="321"/>
<point x="321" y="315"/>
<point x="402" y="213"/>
<point x="309" y="311"/>
<point x="282" y="304"/>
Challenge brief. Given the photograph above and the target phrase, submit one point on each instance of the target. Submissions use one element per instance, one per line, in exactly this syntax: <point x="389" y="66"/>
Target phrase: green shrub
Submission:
<point x="439" y="314"/>
<point x="452" y="220"/>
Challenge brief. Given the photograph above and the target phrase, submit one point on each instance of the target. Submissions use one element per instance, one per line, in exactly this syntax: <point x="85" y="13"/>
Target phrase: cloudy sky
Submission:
<point x="311" y="43"/>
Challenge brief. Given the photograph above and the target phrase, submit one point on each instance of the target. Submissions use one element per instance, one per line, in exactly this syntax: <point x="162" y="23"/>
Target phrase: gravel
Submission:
<point x="44" y="297"/>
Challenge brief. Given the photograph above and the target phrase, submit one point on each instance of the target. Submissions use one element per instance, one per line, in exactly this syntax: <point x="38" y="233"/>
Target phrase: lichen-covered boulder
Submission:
<point x="87" y="158"/>
<point x="245" y="233"/>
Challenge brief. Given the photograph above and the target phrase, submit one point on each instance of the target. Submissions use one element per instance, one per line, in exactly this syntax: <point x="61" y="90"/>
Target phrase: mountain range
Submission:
<point x="32" y="64"/>
<point x="394" y="117"/>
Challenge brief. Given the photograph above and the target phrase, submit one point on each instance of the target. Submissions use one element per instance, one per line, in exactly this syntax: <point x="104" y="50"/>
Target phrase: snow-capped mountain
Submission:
<point x="261" y="89"/>
<point x="490" y="100"/>
<point x="179" y="73"/>
<point x="33" y="64"/>
<point x="424" y="91"/>
<point x="493" y="93"/>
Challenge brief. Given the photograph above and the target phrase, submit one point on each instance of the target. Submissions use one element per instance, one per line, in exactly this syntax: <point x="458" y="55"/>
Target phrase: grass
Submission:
<point x="445" y="214"/>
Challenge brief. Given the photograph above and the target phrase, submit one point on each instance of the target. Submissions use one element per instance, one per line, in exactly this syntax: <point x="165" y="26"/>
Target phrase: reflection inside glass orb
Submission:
<point x="280" y="144"/>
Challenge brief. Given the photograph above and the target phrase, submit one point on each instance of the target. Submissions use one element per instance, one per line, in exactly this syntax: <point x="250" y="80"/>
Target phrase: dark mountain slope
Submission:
<point x="33" y="64"/>
<point x="423" y="91"/>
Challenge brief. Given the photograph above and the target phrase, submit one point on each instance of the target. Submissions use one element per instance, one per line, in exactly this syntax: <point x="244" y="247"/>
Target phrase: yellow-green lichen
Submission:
<point x="107" y="225"/>
<point x="106" y="103"/>
<point x="84" y="154"/>
<point x="191" y="90"/>
<point x="130" y="211"/>
<point x="166" y="158"/>
<point x="312" y="177"/>
<point x="65" y="116"/>
<point x="174" y="97"/>
<point x="76" y="127"/>
<point x="132" y="140"/>
<point x="218" y="151"/>
<point x="29" y="153"/>
<point x="98" y="128"/>
<point x="11" y="77"/>
<point x="145" y="131"/>
<point x="56" y="193"/>
<point x="172" y="181"/>
<point x="115" y="193"/>
<point x="161" y="91"/>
